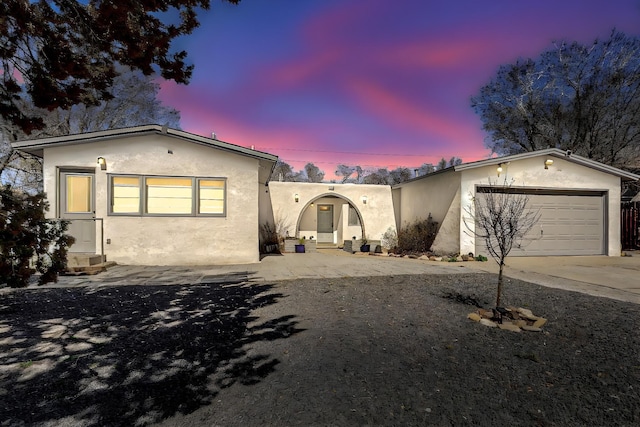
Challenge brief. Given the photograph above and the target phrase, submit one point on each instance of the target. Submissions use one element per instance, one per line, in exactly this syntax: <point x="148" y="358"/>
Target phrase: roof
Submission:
<point x="36" y="146"/>
<point x="553" y="152"/>
<point x="549" y="152"/>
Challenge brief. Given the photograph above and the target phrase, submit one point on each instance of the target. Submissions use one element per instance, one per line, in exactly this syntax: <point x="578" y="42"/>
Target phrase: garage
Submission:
<point x="578" y="200"/>
<point x="571" y="223"/>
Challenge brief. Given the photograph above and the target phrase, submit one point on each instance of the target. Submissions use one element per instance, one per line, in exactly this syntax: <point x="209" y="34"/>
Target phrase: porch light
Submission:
<point x="548" y="163"/>
<point x="364" y="199"/>
<point x="296" y="197"/>
<point x="499" y="169"/>
<point x="103" y="163"/>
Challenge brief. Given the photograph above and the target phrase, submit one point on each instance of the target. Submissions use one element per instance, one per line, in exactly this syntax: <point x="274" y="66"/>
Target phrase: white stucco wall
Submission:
<point x="168" y="240"/>
<point x="531" y="173"/>
<point x="448" y="196"/>
<point x="432" y="194"/>
<point x="377" y="213"/>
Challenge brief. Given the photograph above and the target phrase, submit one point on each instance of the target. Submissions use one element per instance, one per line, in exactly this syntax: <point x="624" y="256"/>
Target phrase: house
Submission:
<point x="150" y="195"/>
<point x="155" y="196"/>
<point x="331" y="213"/>
<point x="578" y="200"/>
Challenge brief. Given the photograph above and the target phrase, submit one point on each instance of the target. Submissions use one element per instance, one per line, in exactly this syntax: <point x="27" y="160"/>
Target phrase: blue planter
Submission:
<point x="299" y="249"/>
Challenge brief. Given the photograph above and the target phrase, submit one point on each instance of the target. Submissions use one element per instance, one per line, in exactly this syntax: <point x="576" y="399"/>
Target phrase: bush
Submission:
<point x="26" y="234"/>
<point x="418" y="236"/>
<point x="389" y="239"/>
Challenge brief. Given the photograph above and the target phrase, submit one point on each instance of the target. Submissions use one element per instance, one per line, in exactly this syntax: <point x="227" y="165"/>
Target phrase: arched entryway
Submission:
<point x="330" y="219"/>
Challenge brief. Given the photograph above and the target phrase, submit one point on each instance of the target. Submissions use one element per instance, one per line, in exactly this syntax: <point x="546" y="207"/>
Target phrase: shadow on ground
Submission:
<point x="130" y="355"/>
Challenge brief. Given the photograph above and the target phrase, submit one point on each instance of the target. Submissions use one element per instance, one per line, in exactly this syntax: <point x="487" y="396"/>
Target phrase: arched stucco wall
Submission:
<point x="376" y="215"/>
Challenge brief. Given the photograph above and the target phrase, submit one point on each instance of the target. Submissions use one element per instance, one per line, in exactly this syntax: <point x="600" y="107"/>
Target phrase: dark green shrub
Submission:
<point x="417" y="236"/>
<point x="26" y="234"/>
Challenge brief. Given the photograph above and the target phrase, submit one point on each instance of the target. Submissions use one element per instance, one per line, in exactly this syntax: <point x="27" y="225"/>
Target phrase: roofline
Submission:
<point x="429" y="174"/>
<point x="35" y="146"/>
<point x="554" y="152"/>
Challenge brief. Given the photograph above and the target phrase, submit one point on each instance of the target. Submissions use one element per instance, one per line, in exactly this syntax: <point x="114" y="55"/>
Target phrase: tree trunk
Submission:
<point x="499" y="285"/>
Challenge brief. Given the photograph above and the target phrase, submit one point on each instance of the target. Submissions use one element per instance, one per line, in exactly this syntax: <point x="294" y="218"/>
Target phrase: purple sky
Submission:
<point x="368" y="82"/>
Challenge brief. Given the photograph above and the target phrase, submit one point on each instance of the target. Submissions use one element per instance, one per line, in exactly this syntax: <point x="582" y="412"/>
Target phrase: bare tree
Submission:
<point x="501" y="218"/>
<point x="314" y="174"/>
<point x="134" y="103"/>
<point x="583" y="98"/>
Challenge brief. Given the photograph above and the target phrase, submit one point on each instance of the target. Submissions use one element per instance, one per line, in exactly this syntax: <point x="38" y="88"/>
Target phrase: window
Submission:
<point x="164" y="195"/>
<point x="79" y="194"/>
<point x="125" y="194"/>
<point x="169" y="195"/>
<point x="353" y="216"/>
<point x="211" y="196"/>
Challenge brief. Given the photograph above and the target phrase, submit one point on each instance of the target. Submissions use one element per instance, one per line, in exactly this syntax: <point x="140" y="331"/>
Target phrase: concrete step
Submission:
<point x="84" y="260"/>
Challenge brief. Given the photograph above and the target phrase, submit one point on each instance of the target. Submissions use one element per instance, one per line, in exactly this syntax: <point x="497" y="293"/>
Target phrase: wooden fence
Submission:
<point x="630" y="225"/>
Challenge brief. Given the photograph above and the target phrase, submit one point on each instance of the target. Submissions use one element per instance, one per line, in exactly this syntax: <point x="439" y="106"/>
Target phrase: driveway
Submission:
<point x="612" y="277"/>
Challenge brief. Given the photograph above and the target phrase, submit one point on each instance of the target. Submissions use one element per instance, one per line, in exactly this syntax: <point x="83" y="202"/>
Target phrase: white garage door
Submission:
<point x="571" y="223"/>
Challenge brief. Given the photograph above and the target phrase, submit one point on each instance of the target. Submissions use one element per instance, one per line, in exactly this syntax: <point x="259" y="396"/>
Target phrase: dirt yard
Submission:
<point x="376" y="351"/>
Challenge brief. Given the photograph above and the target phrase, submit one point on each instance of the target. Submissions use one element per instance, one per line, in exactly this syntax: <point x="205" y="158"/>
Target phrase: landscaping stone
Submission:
<point x="474" y="316"/>
<point x="513" y="319"/>
<point x="509" y="327"/>
<point x="540" y="322"/>
<point x="489" y="323"/>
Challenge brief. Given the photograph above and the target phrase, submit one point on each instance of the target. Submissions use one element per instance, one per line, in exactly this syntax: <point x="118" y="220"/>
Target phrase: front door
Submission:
<point x="77" y="203"/>
<point x="325" y="223"/>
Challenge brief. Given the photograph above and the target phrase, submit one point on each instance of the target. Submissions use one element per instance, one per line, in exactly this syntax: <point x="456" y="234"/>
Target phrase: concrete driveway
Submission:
<point x="611" y="277"/>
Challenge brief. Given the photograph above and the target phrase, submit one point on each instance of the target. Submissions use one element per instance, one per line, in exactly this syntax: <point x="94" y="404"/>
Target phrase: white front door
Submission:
<point x="325" y="224"/>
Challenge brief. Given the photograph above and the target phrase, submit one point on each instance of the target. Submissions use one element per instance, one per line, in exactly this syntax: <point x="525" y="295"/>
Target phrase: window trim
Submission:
<point x="142" y="206"/>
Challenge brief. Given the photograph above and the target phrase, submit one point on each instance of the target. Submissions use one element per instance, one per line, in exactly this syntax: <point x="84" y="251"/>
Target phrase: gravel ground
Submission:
<point x="355" y="351"/>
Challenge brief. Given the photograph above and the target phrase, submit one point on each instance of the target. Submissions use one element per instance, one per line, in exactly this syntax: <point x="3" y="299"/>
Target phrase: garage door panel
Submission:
<point x="568" y="225"/>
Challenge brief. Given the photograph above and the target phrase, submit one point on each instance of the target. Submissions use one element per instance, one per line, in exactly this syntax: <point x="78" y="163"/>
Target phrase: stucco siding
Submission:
<point x="530" y="173"/>
<point x="447" y="241"/>
<point x="430" y="195"/>
<point x="377" y="213"/>
<point x="168" y="240"/>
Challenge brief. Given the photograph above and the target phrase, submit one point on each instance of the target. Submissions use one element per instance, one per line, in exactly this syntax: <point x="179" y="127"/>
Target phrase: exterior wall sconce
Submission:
<point x="103" y="163"/>
<point x="548" y="163"/>
<point x="499" y="169"/>
<point x="364" y="200"/>
<point x="311" y="204"/>
<point x="296" y="197"/>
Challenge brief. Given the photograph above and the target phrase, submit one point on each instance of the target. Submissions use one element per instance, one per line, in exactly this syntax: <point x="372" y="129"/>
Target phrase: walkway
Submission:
<point x="611" y="277"/>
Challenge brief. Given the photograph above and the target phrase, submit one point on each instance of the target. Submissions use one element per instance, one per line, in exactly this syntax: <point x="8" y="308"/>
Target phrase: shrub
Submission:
<point x="389" y="239"/>
<point x="26" y="234"/>
<point x="417" y="236"/>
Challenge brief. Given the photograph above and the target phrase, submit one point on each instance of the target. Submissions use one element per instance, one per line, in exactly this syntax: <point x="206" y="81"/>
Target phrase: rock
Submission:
<point x="413" y="256"/>
<point x="437" y="258"/>
<point x="489" y="323"/>
<point x="509" y="327"/>
<point x="474" y="316"/>
<point x="540" y="322"/>
<point x="531" y="328"/>
<point x="465" y="257"/>
<point x="487" y="314"/>
<point x="424" y="258"/>
<point x="527" y="314"/>
<point x="432" y="258"/>
<point x="521" y="323"/>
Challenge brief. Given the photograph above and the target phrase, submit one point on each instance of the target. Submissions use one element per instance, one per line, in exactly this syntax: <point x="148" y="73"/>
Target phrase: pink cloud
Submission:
<point x="391" y="107"/>
<point x="436" y="54"/>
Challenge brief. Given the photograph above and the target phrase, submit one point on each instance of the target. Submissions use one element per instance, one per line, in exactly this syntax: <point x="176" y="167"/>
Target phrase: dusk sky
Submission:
<point x="367" y="82"/>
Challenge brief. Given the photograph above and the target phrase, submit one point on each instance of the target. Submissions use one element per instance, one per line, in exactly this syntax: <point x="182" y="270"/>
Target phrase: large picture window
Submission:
<point x="166" y="196"/>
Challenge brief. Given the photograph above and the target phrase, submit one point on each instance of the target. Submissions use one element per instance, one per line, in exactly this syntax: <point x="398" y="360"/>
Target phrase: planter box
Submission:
<point x="352" y="246"/>
<point x="290" y="245"/>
